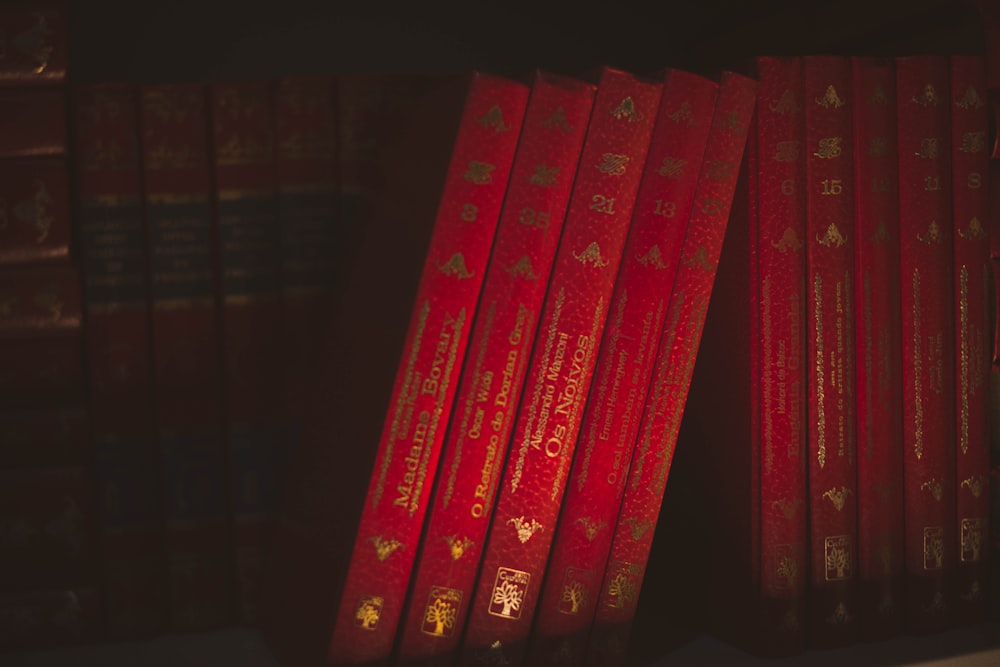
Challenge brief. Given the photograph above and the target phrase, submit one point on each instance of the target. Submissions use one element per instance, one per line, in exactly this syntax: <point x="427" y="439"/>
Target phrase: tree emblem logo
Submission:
<point x="576" y="590"/>
<point x="933" y="547"/>
<point x="368" y="611"/>
<point x="509" y="589"/>
<point x="441" y="612"/>
<point x="837" y="557"/>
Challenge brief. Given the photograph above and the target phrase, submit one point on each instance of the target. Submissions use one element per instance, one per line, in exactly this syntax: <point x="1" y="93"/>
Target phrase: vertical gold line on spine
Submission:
<point x="402" y="403"/>
<point x="918" y="399"/>
<point x="820" y="372"/>
<point x="963" y="332"/>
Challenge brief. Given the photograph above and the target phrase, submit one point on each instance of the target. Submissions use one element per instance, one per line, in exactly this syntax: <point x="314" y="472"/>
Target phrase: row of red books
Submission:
<point x="561" y="239"/>
<point x="849" y="348"/>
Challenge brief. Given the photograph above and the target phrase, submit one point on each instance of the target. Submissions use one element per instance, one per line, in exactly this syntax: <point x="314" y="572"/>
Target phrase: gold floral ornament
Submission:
<point x="970" y="100"/>
<point x="829" y="148"/>
<point x="935" y="487"/>
<point x="638" y="527"/>
<point x="682" y="114"/>
<point x="557" y="121"/>
<point x="878" y="146"/>
<point x="384" y="547"/>
<point x="784" y="104"/>
<point x="974" y="231"/>
<point x="613" y="164"/>
<point x="830" y="99"/>
<point x="932" y="235"/>
<point x="837" y="496"/>
<point x="927" y="97"/>
<point x="456" y="267"/>
<point x="525" y="528"/>
<point x="786" y="151"/>
<point x="652" y="259"/>
<point x="522" y="269"/>
<point x="973" y="142"/>
<point x="590" y="527"/>
<point x="34" y="211"/>
<point x="625" y="110"/>
<point x="458" y="545"/>
<point x="787" y="570"/>
<point x="494" y="120"/>
<point x="840" y="615"/>
<point x="672" y="167"/>
<point x="479" y="173"/>
<point x="699" y="260"/>
<point x="879" y="97"/>
<point x="591" y="256"/>
<point x="788" y="507"/>
<point x="975" y="485"/>
<point x="788" y="241"/>
<point x="544" y="175"/>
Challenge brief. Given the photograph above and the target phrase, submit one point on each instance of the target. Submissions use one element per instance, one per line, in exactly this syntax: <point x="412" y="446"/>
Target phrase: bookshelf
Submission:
<point x="155" y="41"/>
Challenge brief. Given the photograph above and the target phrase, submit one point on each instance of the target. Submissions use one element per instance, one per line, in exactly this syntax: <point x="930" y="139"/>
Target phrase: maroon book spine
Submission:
<point x="49" y="618"/>
<point x="35" y="42"/>
<point x="177" y="206"/>
<point x="34" y="211"/>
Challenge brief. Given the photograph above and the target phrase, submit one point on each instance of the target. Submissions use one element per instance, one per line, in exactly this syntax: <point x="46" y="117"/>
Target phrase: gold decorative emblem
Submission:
<point x="480" y="173"/>
<point x="936" y="605"/>
<point x="576" y="590"/>
<point x="456" y="267"/>
<point x="784" y="104"/>
<point x="975" y="485"/>
<point x="522" y="269"/>
<point x="557" y="121"/>
<point x="683" y="114"/>
<point x="36" y="43"/>
<point x="879" y="97"/>
<point x="971" y="539"/>
<point x="525" y="528"/>
<point x="878" y="146"/>
<point x="49" y="300"/>
<point x="932" y="235"/>
<point x="728" y="122"/>
<point x="34" y="212"/>
<point x="832" y="238"/>
<point x="838" y="497"/>
<point x="383" y="547"/>
<point x="881" y="234"/>
<point x="613" y="164"/>
<point x="933" y="547"/>
<point x="829" y="148"/>
<point x="927" y="97"/>
<point x="623" y="586"/>
<point x="493" y="656"/>
<point x="788" y="507"/>
<point x="840" y="615"/>
<point x="975" y="592"/>
<point x="367" y="613"/>
<point x="494" y="119"/>
<point x="830" y="99"/>
<point x="786" y="566"/>
<point x="458" y="546"/>
<point x="590" y="527"/>
<point x="544" y="175"/>
<point x="973" y="142"/>
<point x="788" y="241"/>
<point x="441" y="611"/>
<point x="786" y="151"/>
<point x="930" y="148"/>
<point x="837" y="557"/>
<point x="509" y="588"/>
<point x="974" y="232"/>
<point x="699" y="260"/>
<point x="719" y="170"/>
<point x="672" y="167"/>
<point x="638" y="527"/>
<point x="935" y="487"/>
<point x="592" y="256"/>
<point x="652" y="258"/>
<point x="625" y="110"/>
<point x="970" y="100"/>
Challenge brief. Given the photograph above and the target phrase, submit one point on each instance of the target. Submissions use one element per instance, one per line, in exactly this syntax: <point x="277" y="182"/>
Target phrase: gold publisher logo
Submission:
<point x="972" y="539"/>
<point x="509" y="589"/>
<point x="623" y="585"/>
<point x="786" y="566"/>
<point x="837" y="557"/>
<point x="933" y="548"/>
<point x="576" y="590"/>
<point x="441" y="611"/>
<point x="368" y="611"/>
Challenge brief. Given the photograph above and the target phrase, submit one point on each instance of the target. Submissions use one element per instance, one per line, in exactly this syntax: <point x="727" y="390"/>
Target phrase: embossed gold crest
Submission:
<point x="829" y="148"/>
<point x="625" y="110"/>
<point x="509" y="589"/>
<point x="971" y="539"/>
<point x="367" y="613"/>
<point x="652" y="259"/>
<point x="576" y="590"/>
<point x="455" y="266"/>
<point x="613" y="164"/>
<point x="933" y="547"/>
<point x="494" y="120"/>
<point x="441" y="611"/>
<point x="623" y="585"/>
<point x="830" y="99"/>
<point x="592" y="256"/>
<point x="833" y="238"/>
<point x="837" y="556"/>
<point x="525" y="528"/>
<point x="480" y="173"/>
<point x="672" y="167"/>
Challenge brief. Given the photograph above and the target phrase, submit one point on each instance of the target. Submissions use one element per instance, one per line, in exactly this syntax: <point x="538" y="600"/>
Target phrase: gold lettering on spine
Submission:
<point x="406" y="395"/>
<point x="767" y="417"/>
<point x="820" y="372"/>
<point x="918" y="399"/>
<point x="963" y="350"/>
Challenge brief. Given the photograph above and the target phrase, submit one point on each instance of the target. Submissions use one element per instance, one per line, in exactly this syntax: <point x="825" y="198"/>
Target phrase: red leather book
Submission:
<point x="41" y="348"/>
<point x="35" y="43"/>
<point x="489" y="390"/>
<point x="32" y="122"/>
<point x="34" y="211"/>
<point x="878" y="374"/>
<point x="424" y="389"/>
<point x="829" y="245"/>
<point x="120" y="374"/>
<point x="925" y="224"/>
<point x="677" y="347"/>
<point x="249" y="247"/>
<point x="624" y="365"/>
<point x="51" y="617"/>
<point x="37" y="437"/>
<point x="972" y="291"/>
<point x="47" y="528"/>
<point x="752" y="464"/>
<point x="561" y="368"/>
<point x="187" y="384"/>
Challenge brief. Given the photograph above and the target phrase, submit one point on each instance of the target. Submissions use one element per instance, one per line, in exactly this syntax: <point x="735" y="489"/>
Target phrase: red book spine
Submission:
<point x="424" y="390"/>
<point x="249" y="256"/>
<point x="113" y="254"/>
<point x="49" y="618"/>
<point x="877" y="332"/>
<point x="829" y="245"/>
<point x="972" y="278"/>
<point x="925" y="223"/>
<point x="489" y="391"/>
<point x="34" y="43"/>
<point x="624" y="365"/>
<point x="780" y="383"/>
<point x="34" y="211"/>
<point x="561" y="367"/>
<point x="188" y="413"/>
<point x="678" y="343"/>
